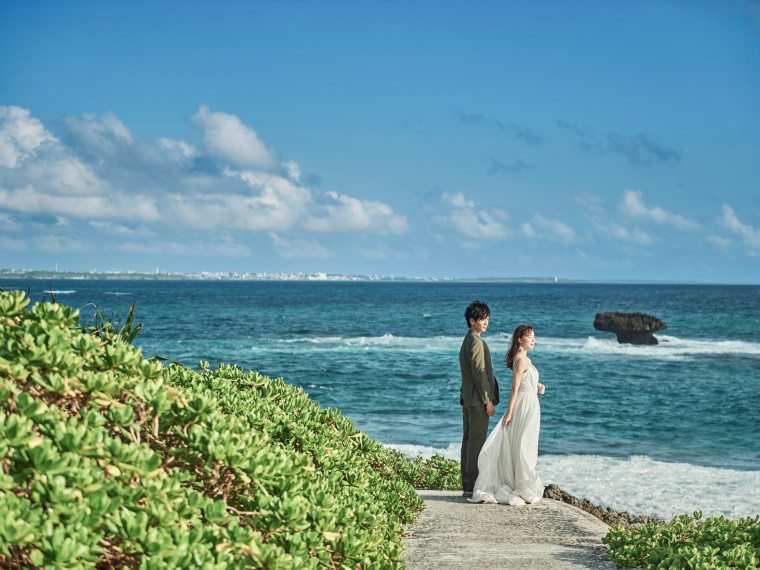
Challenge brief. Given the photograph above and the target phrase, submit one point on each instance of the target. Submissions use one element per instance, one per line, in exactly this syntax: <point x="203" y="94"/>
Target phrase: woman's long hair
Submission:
<point x="514" y="348"/>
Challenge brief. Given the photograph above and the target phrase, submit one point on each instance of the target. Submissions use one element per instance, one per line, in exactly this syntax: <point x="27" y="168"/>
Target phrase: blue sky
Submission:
<point x="584" y="140"/>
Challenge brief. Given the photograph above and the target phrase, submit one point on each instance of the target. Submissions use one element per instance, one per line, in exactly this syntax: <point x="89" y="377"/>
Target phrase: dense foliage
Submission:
<point x="688" y="542"/>
<point x="434" y="473"/>
<point x="110" y="460"/>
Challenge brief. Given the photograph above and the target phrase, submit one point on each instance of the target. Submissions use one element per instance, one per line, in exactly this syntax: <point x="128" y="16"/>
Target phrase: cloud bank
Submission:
<point x="94" y="174"/>
<point x="634" y="206"/>
<point x="471" y="220"/>
<point x="749" y="235"/>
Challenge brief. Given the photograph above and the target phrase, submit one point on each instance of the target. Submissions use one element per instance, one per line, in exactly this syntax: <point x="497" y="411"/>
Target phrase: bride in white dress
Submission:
<point x="507" y="461"/>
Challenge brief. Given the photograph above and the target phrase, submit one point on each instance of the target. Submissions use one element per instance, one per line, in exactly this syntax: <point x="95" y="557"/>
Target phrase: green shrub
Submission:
<point x="434" y="473"/>
<point x="111" y="460"/>
<point x="688" y="542"/>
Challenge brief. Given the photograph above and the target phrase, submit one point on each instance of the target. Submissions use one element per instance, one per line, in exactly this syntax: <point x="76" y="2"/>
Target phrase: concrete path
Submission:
<point x="453" y="533"/>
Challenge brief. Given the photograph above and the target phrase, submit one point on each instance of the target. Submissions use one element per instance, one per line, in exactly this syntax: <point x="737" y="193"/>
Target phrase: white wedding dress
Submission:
<point x="507" y="461"/>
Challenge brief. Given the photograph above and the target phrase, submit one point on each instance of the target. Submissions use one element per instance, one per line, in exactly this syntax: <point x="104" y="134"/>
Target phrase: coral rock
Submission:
<point x="631" y="328"/>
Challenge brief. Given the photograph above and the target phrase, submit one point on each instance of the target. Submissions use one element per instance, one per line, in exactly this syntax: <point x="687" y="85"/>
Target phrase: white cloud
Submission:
<point x="62" y="174"/>
<point x="112" y="124"/>
<point x="635" y="235"/>
<point x="113" y="228"/>
<point x="604" y="224"/>
<point x="553" y="229"/>
<point x="471" y="221"/>
<point x="123" y="229"/>
<point x="9" y="224"/>
<point x="101" y="180"/>
<point x="20" y="135"/>
<point x="29" y="200"/>
<point x="176" y="150"/>
<point x="294" y="171"/>
<point x="633" y="205"/>
<point x="749" y="235"/>
<point x="227" y="137"/>
<point x="590" y="203"/>
<point x="343" y="213"/>
<point x="718" y="241"/>
<point x="274" y="203"/>
<point x="103" y="136"/>
<point x="299" y="248"/>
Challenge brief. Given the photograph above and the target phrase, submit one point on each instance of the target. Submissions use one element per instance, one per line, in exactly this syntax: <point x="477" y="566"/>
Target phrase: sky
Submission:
<point x="591" y="140"/>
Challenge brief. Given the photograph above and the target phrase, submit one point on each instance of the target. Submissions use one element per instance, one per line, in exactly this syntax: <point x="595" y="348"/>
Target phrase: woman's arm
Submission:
<point x="519" y="367"/>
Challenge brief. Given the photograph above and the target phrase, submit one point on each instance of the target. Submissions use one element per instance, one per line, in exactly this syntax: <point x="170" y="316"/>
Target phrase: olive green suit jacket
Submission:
<point x="478" y="381"/>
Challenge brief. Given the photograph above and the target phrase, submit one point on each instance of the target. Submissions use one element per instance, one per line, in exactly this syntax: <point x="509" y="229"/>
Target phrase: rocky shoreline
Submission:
<point x="609" y="515"/>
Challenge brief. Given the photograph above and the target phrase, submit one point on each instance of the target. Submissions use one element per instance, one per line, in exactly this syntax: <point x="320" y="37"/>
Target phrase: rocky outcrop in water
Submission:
<point x="631" y="328"/>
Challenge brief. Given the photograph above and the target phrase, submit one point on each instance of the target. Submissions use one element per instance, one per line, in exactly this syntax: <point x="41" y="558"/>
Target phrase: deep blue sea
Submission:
<point x="659" y="430"/>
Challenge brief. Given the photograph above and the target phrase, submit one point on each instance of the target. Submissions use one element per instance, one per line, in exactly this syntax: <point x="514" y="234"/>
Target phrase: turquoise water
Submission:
<point x="680" y="415"/>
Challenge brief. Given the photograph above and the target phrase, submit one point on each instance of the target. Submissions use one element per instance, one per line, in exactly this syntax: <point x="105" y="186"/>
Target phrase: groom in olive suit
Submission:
<point x="479" y="392"/>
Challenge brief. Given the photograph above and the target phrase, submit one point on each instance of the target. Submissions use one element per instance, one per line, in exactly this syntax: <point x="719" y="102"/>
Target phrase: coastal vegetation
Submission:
<point x="688" y="542"/>
<point x="110" y="460"/>
<point x="640" y="541"/>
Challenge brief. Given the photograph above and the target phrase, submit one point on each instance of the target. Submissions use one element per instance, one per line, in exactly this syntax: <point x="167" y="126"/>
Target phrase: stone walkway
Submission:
<point x="453" y="533"/>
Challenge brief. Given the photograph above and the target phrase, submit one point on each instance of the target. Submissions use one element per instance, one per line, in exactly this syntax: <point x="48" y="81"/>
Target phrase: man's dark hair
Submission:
<point x="477" y="311"/>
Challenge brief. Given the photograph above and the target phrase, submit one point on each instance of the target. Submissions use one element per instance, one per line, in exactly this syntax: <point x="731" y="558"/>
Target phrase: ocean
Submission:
<point x="659" y="430"/>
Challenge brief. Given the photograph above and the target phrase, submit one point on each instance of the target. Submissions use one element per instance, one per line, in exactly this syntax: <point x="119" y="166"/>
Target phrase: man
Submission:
<point x="479" y="392"/>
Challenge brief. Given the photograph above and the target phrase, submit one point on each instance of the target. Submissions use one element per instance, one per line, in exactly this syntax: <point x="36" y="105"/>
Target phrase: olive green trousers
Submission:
<point x="475" y="424"/>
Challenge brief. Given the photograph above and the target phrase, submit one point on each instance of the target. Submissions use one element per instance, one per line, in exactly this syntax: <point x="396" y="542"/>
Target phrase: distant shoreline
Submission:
<point x="317" y="277"/>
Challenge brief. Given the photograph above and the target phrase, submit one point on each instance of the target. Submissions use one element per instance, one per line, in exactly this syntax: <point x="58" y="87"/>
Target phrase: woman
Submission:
<point x="507" y="462"/>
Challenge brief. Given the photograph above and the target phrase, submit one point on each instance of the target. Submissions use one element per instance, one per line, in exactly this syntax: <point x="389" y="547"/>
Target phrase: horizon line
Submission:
<point x="321" y="277"/>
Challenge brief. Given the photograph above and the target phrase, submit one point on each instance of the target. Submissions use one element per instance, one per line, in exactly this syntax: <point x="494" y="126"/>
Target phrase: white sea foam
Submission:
<point x="640" y="484"/>
<point x="669" y="347"/>
<point x="384" y="342"/>
<point x="63" y="292"/>
<point x="313" y="340"/>
<point x="409" y="450"/>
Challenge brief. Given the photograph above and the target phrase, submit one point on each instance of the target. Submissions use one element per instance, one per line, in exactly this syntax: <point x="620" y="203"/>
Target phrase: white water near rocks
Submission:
<point x="640" y="484"/>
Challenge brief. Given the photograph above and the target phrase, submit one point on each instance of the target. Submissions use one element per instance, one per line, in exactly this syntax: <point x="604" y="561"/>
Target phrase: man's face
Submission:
<point x="479" y="326"/>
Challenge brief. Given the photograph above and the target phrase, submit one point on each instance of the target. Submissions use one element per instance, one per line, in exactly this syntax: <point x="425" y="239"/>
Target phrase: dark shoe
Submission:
<point x="467" y="494"/>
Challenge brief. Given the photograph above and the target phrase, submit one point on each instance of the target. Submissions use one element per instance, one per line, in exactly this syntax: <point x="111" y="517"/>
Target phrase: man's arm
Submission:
<point x="479" y="374"/>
